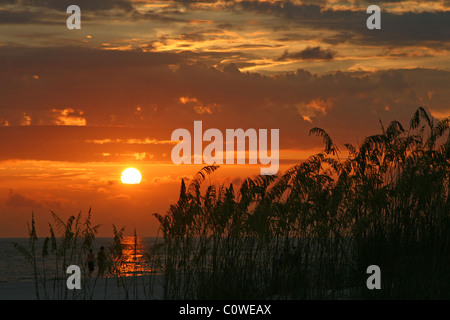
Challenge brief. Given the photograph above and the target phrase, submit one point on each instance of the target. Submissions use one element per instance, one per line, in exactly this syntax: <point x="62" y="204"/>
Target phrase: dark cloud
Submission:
<point x="231" y="68"/>
<point x="192" y="36"/>
<point x="310" y="53"/>
<point x="76" y="58"/>
<point x="430" y="28"/>
<point x="26" y="17"/>
<point x="167" y="17"/>
<point x="404" y="28"/>
<point x="53" y="12"/>
<point x="85" y="5"/>
<point x="225" y="26"/>
<point x="340" y="38"/>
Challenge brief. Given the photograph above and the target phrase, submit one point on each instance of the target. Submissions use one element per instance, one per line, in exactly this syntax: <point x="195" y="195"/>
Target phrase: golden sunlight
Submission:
<point x="131" y="176"/>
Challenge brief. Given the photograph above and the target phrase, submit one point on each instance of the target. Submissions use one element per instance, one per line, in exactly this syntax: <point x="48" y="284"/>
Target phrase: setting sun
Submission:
<point x="131" y="176"/>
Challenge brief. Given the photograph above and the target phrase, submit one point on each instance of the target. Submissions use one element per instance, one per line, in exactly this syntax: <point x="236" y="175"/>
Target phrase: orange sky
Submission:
<point x="77" y="107"/>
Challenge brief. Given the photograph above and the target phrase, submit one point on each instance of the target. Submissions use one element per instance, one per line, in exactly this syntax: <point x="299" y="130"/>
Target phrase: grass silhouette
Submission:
<point x="310" y="233"/>
<point x="328" y="219"/>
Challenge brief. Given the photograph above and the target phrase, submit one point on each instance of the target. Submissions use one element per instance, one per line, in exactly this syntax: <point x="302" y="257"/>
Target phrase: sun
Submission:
<point x="131" y="176"/>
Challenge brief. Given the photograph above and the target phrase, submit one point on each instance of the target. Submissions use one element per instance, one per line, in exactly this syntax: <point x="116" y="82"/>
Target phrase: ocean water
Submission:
<point x="15" y="267"/>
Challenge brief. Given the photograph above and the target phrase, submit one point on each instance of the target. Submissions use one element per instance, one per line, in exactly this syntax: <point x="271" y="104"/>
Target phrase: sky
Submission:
<point x="79" y="106"/>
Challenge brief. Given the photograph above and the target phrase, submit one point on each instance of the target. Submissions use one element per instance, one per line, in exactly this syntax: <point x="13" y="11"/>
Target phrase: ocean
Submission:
<point x="14" y="267"/>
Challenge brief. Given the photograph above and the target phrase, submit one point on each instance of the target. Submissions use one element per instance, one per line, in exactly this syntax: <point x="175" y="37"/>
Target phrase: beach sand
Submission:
<point x="137" y="288"/>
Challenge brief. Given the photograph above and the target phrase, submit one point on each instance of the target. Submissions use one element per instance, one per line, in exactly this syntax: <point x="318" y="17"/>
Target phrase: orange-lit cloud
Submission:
<point x="77" y="108"/>
<point x="69" y="117"/>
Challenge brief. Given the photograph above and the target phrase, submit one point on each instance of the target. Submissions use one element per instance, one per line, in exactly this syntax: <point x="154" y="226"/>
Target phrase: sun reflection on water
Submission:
<point x="135" y="259"/>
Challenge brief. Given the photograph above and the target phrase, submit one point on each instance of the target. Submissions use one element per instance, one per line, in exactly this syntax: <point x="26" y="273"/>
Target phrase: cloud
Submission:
<point x="81" y="143"/>
<point x="73" y="58"/>
<point x="119" y="197"/>
<point x="53" y="12"/>
<point x="400" y="28"/>
<point x="85" y="5"/>
<point x="134" y="97"/>
<point x="69" y="117"/>
<point x="20" y="17"/>
<point x="310" y="53"/>
<point x="16" y="200"/>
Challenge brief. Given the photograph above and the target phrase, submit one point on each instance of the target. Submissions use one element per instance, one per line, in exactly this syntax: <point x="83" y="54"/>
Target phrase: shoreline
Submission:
<point x="146" y="287"/>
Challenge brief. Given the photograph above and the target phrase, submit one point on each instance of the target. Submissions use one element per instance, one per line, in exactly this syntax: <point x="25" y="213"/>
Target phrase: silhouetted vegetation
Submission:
<point x="69" y="245"/>
<point x="312" y="232"/>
